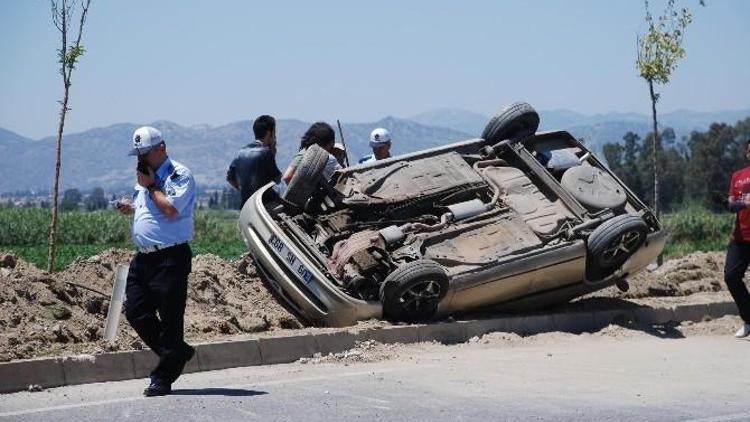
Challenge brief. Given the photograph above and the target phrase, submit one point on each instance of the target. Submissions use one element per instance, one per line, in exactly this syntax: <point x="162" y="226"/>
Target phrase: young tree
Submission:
<point x="659" y="49"/>
<point x="63" y="13"/>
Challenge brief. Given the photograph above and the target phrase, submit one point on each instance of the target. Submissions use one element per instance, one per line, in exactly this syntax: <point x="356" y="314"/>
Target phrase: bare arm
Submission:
<point x="288" y="174"/>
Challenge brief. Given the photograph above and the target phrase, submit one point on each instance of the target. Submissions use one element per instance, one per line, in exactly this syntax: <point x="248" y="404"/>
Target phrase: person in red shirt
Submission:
<point x="738" y="251"/>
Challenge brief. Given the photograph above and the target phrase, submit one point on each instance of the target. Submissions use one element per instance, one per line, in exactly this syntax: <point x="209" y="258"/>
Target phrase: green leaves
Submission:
<point x="660" y="48"/>
<point x="69" y="58"/>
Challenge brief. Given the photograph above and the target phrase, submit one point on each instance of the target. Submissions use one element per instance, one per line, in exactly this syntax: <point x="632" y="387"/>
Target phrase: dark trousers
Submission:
<point x="738" y="258"/>
<point x="157" y="283"/>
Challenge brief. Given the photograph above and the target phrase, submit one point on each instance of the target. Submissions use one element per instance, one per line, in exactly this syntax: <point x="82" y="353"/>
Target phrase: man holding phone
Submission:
<point x="162" y="210"/>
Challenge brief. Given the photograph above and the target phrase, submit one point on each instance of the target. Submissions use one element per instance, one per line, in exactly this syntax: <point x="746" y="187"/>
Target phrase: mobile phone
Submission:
<point x="143" y="167"/>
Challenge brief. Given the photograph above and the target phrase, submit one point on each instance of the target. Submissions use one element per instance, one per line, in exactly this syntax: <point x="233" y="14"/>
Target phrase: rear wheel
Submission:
<point x="515" y="121"/>
<point x="307" y="177"/>
<point x="612" y="243"/>
<point x="413" y="291"/>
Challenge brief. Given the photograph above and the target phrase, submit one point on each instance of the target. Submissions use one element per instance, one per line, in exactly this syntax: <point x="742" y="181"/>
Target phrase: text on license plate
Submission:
<point x="296" y="265"/>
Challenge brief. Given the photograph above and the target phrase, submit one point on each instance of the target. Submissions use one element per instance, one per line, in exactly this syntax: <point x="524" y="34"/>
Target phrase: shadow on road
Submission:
<point x="231" y="392"/>
<point x="667" y="330"/>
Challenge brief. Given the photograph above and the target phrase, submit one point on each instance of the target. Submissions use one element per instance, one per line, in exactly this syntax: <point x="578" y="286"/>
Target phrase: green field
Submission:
<point x="83" y="234"/>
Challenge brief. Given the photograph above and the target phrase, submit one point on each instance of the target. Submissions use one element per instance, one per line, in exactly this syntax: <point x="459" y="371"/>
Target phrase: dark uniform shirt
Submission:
<point x="253" y="168"/>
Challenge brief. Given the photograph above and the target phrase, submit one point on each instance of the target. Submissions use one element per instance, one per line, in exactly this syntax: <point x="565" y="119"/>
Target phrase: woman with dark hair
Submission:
<point x="322" y="134"/>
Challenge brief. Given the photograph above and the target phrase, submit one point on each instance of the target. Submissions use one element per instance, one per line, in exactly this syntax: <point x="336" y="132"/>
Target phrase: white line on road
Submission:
<point x="68" y="406"/>
<point x="724" y="418"/>
<point x="261" y="384"/>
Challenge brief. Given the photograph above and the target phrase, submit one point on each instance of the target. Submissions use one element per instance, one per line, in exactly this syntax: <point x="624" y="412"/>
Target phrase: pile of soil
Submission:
<point x="694" y="273"/>
<point x="64" y="313"/>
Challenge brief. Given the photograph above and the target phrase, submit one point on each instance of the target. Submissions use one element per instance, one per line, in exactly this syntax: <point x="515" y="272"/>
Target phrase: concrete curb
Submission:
<point x="57" y="371"/>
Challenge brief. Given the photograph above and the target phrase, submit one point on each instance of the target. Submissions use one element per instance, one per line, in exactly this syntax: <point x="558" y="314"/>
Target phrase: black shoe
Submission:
<point x="157" y="388"/>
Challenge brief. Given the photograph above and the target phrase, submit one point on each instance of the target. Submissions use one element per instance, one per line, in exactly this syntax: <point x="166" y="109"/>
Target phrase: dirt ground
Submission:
<point x="64" y="313"/>
<point x="372" y="351"/>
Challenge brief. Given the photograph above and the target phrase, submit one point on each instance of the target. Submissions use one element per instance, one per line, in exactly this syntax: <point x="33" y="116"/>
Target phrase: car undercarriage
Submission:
<point x="477" y="223"/>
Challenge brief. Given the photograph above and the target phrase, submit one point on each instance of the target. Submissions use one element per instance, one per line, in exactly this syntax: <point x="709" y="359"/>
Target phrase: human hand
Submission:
<point x="145" y="179"/>
<point x="123" y="205"/>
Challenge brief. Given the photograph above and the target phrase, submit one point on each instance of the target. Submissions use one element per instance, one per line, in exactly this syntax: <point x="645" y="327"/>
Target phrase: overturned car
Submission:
<point x="510" y="221"/>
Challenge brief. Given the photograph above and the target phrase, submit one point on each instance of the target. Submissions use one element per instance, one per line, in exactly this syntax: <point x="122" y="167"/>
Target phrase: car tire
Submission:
<point x="413" y="291"/>
<point x="612" y="243"/>
<point x="515" y="121"/>
<point x="307" y="177"/>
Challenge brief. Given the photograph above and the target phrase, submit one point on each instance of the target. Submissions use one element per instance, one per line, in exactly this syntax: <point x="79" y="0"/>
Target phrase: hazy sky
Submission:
<point x="215" y="62"/>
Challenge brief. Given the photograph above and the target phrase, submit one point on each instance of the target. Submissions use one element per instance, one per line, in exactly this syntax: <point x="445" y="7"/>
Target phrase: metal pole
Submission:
<point x="346" y="150"/>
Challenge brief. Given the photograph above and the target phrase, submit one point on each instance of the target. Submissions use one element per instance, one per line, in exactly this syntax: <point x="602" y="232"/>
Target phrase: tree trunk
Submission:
<point x="657" y="210"/>
<point x="56" y="186"/>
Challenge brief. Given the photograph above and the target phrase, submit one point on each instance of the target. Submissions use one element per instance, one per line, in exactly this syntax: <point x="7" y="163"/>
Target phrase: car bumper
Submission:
<point x="317" y="299"/>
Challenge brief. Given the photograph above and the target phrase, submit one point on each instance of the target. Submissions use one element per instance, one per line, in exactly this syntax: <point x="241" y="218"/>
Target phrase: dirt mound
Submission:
<point x="694" y="273"/>
<point x="64" y="313"/>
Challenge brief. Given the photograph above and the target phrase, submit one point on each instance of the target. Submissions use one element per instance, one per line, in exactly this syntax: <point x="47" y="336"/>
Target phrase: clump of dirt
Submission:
<point x="45" y="314"/>
<point x="363" y="351"/>
<point x="694" y="273"/>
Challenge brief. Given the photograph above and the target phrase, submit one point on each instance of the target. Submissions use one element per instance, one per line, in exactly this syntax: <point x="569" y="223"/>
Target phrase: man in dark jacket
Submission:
<point x="255" y="163"/>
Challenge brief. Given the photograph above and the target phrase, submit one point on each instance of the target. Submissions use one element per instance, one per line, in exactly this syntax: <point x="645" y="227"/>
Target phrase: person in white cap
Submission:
<point x="162" y="210"/>
<point x="380" y="142"/>
<point x="339" y="151"/>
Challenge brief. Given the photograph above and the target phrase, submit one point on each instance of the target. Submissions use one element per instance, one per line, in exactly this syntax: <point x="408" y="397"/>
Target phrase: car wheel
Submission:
<point x="307" y="177"/>
<point x="515" y="121"/>
<point x="413" y="291"/>
<point x="612" y="243"/>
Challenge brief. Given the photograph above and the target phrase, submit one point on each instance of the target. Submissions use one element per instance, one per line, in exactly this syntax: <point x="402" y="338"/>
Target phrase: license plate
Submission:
<point x="294" y="263"/>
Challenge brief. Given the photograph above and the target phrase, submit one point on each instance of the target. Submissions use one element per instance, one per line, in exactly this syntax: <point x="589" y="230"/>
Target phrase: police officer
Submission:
<point x="380" y="142"/>
<point x="162" y="209"/>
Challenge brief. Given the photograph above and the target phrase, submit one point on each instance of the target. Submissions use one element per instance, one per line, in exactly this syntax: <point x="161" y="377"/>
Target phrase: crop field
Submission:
<point x="24" y="232"/>
<point x="696" y="229"/>
<point x="83" y="234"/>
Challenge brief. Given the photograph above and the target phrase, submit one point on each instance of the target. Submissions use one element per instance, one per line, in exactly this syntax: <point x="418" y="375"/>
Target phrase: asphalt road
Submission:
<point x="704" y="378"/>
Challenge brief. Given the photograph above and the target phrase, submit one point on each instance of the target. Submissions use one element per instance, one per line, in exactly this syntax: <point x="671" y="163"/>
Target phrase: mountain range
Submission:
<point x="97" y="157"/>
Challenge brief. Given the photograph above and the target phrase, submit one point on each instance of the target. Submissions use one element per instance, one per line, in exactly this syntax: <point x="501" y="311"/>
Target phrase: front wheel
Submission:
<point x="413" y="291"/>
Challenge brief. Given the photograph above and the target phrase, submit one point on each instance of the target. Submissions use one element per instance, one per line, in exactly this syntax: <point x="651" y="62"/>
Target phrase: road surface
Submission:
<point x="659" y="375"/>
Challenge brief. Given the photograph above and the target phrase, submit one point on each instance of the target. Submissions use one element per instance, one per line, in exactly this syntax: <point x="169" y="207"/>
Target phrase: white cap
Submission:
<point x="339" y="146"/>
<point x="145" y="138"/>
<point x="379" y="137"/>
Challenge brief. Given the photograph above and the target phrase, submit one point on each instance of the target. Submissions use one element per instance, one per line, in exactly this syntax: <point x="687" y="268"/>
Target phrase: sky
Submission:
<point x="199" y="62"/>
